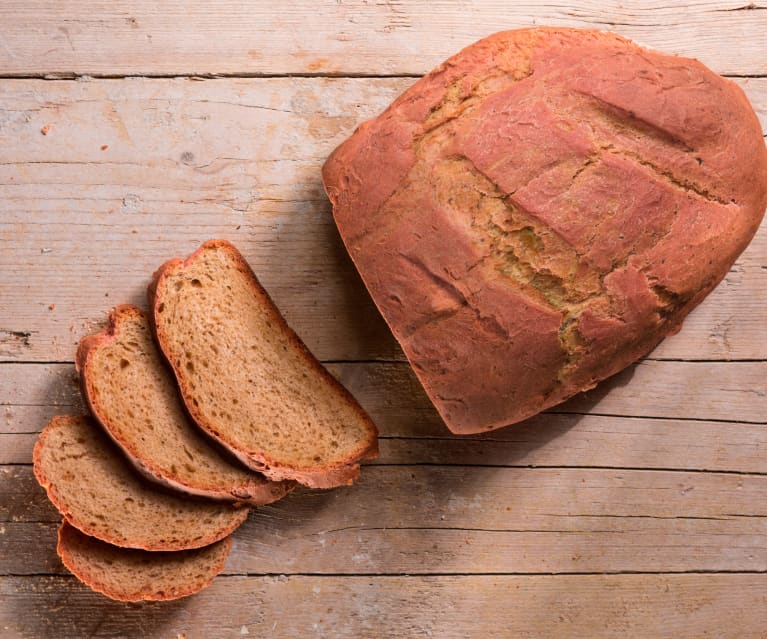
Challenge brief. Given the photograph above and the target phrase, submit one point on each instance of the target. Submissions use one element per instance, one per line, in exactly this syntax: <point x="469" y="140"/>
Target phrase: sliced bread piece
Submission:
<point x="94" y="487"/>
<point x="246" y="377"/>
<point x="133" y="394"/>
<point x="126" y="574"/>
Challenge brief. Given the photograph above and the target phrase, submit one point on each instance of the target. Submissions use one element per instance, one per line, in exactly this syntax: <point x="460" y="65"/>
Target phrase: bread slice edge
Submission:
<point x="342" y="473"/>
<point x="255" y="495"/>
<point x="48" y="485"/>
<point x="86" y="576"/>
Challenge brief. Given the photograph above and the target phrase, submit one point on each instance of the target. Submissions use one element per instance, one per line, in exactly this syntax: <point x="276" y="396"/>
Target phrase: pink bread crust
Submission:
<point x="340" y="474"/>
<point x="91" y="580"/>
<point x="257" y="492"/>
<point x="683" y="144"/>
<point x="50" y="488"/>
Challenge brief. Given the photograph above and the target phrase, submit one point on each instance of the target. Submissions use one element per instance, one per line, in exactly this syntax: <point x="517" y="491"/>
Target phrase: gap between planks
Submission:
<point x="332" y="575"/>
<point x="84" y="77"/>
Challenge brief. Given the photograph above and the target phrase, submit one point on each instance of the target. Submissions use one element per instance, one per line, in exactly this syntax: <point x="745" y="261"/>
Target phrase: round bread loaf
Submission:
<point x="542" y="209"/>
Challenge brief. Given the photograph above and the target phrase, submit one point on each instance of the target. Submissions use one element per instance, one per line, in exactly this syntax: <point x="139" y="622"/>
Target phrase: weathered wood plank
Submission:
<point x="15" y="419"/>
<point x="727" y="391"/>
<point x="537" y="499"/>
<point x="548" y="440"/>
<point x="22" y="498"/>
<point x="286" y="547"/>
<point x="83" y="228"/>
<point x="437" y="519"/>
<point x="29" y="549"/>
<point x="730" y="391"/>
<point x="350" y="37"/>
<point x="17" y="448"/>
<point x="186" y="161"/>
<point x="595" y="606"/>
<point x="29" y="385"/>
<point x="413" y="433"/>
<point x="32" y="394"/>
<point x="590" y="441"/>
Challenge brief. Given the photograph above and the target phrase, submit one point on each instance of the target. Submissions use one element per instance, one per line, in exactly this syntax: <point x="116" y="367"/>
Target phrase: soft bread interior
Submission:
<point x="138" y="575"/>
<point x="94" y="488"/>
<point x="244" y="374"/>
<point x="134" y="395"/>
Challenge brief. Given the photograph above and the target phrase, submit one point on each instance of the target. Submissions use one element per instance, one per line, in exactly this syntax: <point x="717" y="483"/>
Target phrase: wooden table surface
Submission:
<point x="130" y="134"/>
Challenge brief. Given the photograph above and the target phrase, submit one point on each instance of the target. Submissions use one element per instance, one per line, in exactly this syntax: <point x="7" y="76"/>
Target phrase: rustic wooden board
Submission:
<point x="594" y="606"/>
<point x="634" y="510"/>
<point x="554" y="440"/>
<point x="385" y="37"/>
<point x="722" y="391"/>
<point x="464" y="520"/>
<point x="83" y="228"/>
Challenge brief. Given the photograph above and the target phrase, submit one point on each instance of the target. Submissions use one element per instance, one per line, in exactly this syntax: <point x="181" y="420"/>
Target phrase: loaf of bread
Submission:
<point x="133" y="394"/>
<point x="542" y="209"/>
<point x="248" y="380"/>
<point x="126" y="574"/>
<point x="93" y="486"/>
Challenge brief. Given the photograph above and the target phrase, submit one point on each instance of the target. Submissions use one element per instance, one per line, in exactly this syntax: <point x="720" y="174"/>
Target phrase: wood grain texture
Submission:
<point x="238" y="159"/>
<point x="351" y="37"/>
<point x="561" y="440"/>
<point x="634" y="510"/>
<point x="595" y="606"/>
<point x="470" y="520"/>
<point x="724" y="391"/>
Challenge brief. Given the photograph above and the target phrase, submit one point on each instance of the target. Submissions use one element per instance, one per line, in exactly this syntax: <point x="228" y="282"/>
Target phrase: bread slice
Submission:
<point x="133" y="394"/>
<point x="246" y="377"/>
<point x="126" y="574"/>
<point x="93" y="486"/>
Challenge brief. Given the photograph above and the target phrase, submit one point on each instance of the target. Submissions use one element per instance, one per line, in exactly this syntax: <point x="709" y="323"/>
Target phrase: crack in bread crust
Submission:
<point x="570" y="179"/>
<point x="512" y="242"/>
<point x="620" y="118"/>
<point x="688" y="186"/>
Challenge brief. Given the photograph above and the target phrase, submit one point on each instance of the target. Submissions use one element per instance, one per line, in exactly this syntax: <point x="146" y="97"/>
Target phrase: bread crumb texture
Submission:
<point x="94" y="487"/>
<point x="126" y="574"/>
<point x="134" y="396"/>
<point x="248" y="380"/>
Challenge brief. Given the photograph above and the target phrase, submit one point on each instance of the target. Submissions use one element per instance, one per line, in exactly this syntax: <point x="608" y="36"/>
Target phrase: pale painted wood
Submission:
<point x="82" y="228"/>
<point x="449" y="607"/>
<point x="351" y="37"/>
